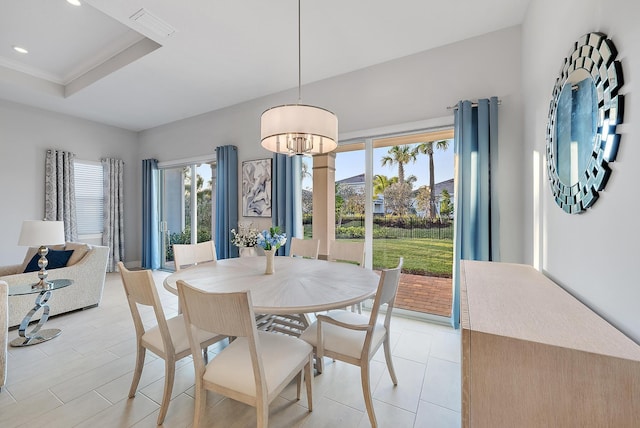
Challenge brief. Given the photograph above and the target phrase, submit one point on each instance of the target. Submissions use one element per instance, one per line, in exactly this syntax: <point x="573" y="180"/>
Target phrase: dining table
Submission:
<point x="297" y="285"/>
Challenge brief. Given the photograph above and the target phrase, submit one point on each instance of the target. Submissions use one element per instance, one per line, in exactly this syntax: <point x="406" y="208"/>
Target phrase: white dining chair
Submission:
<point x="355" y="338"/>
<point x="255" y="367"/>
<point x="185" y="255"/>
<point x="167" y="339"/>
<point x="348" y="252"/>
<point x="307" y="248"/>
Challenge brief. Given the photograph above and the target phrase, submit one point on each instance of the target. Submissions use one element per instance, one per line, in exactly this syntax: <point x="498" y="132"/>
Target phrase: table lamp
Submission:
<point x="41" y="233"/>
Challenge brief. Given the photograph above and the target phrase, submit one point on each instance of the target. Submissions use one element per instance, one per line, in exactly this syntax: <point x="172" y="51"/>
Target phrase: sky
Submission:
<point x="349" y="164"/>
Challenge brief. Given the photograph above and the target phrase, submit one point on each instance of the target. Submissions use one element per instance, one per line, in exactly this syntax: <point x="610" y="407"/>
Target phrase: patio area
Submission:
<point x="426" y="294"/>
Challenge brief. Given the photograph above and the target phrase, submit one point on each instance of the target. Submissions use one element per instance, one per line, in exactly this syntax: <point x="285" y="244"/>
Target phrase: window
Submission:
<point x="89" y="197"/>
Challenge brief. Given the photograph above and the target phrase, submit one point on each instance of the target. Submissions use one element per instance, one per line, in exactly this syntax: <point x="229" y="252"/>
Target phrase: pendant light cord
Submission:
<point x="299" y="61"/>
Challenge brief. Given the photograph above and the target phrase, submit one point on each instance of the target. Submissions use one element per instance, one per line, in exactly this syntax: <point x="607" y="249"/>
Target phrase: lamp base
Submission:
<point x="42" y="285"/>
<point x="42" y="264"/>
<point x="41" y="336"/>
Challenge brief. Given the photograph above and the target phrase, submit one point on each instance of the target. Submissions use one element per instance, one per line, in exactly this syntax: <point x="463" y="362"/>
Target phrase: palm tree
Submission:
<point x="427" y="148"/>
<point x="381" y="182"/>
<point x="410" y="180"/>
<point x="400" y="155"/>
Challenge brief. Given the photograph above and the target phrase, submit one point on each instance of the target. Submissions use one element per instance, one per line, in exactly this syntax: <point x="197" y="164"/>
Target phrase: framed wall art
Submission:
<point x="256" y="188"/>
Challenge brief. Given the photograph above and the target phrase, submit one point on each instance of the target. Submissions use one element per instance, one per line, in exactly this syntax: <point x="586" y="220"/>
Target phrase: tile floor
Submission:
<point x="82" y="377"/>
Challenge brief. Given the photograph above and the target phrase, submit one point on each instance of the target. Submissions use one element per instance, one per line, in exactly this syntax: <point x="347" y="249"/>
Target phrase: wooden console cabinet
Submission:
<point x="534" y="356"/>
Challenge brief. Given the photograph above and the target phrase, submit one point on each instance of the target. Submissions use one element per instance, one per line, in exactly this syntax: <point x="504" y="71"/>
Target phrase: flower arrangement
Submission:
<point x="271" y="239"/>
<point x="246" y="236"/>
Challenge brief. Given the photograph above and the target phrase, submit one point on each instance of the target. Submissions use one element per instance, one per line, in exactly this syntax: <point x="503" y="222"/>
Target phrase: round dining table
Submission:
<point x="297" y="286"/>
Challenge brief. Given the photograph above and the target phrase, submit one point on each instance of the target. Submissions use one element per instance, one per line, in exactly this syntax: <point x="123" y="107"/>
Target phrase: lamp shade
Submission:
<point x="35" y="233"/>
<point x="298" y="129"/>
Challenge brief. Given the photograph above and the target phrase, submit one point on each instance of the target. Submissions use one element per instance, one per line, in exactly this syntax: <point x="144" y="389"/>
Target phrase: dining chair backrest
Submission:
<point x="347" y="251"/>
<point x="191" y="254"/>
<point x="230" y="314"/>
<point x="308" y="248"/>
<point x="140" y="289"/>
<point x="386" y="293"/>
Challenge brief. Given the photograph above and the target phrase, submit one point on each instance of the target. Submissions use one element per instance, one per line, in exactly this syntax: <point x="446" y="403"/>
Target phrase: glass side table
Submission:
<point x="36" y="335"/>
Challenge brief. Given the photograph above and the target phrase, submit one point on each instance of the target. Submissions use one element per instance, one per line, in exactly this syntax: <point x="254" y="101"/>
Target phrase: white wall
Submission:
<point x="593" y="255"/>
<point x="414" y="88"/>
<point x="25" y="135"/>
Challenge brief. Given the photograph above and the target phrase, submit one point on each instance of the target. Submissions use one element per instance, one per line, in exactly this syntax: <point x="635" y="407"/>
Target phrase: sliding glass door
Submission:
<point x="408" y="214"/>
<point x="187" y="207"/>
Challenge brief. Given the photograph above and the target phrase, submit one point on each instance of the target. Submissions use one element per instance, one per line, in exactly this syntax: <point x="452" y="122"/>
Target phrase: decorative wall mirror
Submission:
<point x="581" y="132"/>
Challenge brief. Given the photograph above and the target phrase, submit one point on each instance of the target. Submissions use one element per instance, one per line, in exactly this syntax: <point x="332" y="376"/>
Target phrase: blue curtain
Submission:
<point x="286" y="192"/>
<point x="226" y="200"/>
<point x="150" y="246"/>
<point x="475" y="143"/>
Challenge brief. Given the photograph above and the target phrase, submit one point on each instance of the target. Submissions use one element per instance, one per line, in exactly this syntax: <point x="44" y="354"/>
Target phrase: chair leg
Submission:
<point x="298" y="385"/>
<point x="319" y="364"/>
<point x="387" y="356"/>
<point x="169" y="374"/>
<point x="138" y="370"/>
<point x="205" y="355"/>
<point x="262" y="410"/>
<point x="200" y="404"/>
<point x="366" y="391"/>
<point x="308" y="380"/>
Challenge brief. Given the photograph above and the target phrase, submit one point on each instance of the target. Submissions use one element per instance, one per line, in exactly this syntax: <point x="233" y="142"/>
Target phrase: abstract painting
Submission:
<point x="256" y="188"/>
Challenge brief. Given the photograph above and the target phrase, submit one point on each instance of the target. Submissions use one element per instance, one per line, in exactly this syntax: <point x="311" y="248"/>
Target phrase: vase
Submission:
<point x="269" y="254"/>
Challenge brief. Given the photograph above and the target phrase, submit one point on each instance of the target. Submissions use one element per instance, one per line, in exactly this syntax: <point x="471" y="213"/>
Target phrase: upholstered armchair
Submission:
<point x="87" y="270"/>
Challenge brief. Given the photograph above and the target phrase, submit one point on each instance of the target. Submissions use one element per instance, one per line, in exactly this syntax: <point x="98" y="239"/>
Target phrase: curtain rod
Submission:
<point x="473" y="104"/>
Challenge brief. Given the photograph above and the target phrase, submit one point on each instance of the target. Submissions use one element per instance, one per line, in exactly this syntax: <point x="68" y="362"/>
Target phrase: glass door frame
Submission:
<point x="369" y="143"/>
<point x="193" y="164"/>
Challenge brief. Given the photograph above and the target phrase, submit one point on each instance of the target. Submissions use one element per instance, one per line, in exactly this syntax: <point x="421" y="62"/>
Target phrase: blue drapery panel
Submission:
<point x="475" y="143"/>
<point x="150" y="211"/>
<point x="226" y="200"/>
<point x="286" y="191"/>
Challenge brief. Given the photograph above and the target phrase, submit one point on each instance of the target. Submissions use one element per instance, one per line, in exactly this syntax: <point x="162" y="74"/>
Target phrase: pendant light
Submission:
<point x="298" y="129"/>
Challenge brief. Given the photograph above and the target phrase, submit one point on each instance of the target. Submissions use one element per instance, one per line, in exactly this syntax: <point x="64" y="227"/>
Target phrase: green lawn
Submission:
<point x="422" y="256"/>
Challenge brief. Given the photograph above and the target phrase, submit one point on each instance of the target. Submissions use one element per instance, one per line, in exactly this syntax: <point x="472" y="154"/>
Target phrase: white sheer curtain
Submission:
<point x="113" y="233"/>
<point x="60" y="191"/>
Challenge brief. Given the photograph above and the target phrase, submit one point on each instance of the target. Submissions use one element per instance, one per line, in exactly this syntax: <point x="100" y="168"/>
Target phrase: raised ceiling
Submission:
<point x="138" y="64"/>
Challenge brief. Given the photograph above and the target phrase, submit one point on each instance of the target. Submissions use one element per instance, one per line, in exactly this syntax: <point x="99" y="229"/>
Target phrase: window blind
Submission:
<point x="89" y="197"/>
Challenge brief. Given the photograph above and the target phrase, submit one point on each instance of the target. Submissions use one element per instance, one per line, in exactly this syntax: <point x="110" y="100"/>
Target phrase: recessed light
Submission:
<point x="74" y="2"/>
<point x="20" y="50"/>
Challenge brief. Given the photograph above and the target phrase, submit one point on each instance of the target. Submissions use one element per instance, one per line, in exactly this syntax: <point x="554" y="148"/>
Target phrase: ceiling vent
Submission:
<point x="152" y="23"/>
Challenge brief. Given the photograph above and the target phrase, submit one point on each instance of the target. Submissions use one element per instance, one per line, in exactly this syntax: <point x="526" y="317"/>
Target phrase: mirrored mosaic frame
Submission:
<point x="595" y="53"/>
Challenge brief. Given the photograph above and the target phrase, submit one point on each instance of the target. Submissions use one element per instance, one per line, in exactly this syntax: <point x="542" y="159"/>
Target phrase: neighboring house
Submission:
<point x="356" y="183"/>
<point x="438" y="188"/>
<point x="444" y="185"/>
